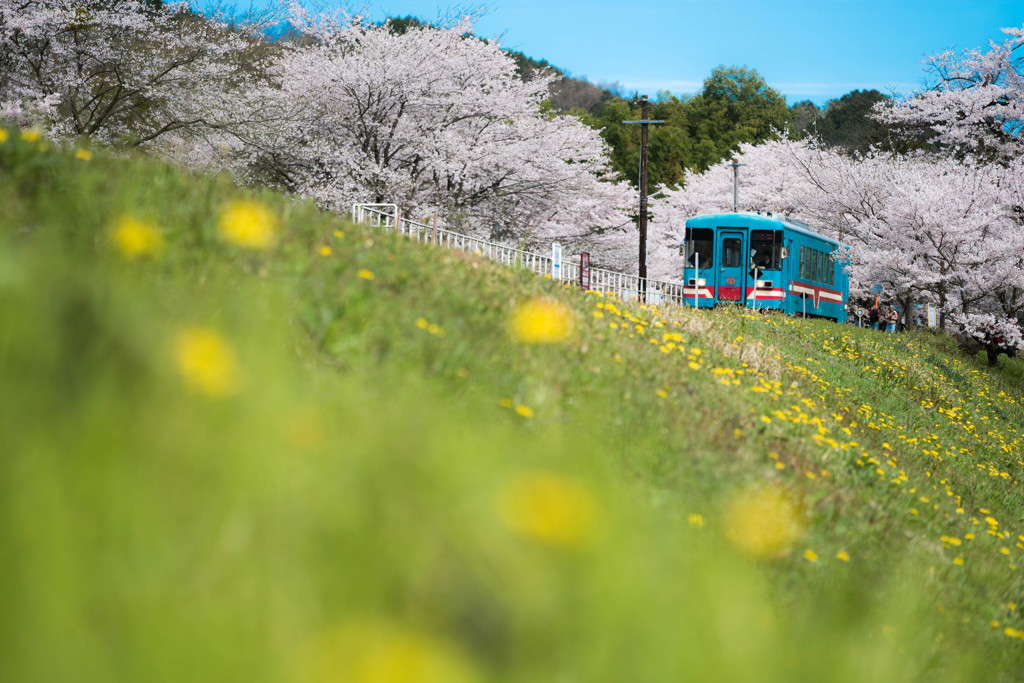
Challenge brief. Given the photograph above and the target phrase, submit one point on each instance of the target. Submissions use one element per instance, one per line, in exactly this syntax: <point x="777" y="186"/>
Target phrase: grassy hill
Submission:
<point x="243" y="440"/>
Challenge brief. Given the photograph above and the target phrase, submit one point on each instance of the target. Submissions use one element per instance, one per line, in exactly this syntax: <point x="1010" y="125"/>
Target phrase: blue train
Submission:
<point x="764" y="261"/>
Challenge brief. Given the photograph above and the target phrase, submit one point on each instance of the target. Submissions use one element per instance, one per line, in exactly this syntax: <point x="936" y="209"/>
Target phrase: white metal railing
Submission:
<point x="623" y="286"/>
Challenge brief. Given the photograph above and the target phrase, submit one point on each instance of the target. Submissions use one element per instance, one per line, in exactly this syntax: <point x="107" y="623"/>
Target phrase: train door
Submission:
<point x="731" y="266"/>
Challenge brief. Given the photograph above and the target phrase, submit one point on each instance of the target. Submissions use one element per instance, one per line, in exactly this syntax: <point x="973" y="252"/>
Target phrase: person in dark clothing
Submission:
<point x="873" y="317"/>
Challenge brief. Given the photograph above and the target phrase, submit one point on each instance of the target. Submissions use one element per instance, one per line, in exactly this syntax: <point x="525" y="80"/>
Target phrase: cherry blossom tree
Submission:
<point x="122" y="70"/>
<point x="976" y="105"/>
<point x="995" y="334"/>
<point x="433" y="120"/>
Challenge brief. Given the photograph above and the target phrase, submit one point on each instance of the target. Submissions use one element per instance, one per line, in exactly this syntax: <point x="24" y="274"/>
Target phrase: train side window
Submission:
<point x="803" y="263"/>
<point x="814" y="265"/>
<point x="700" y="242"/>
<point x="831" y="270"/>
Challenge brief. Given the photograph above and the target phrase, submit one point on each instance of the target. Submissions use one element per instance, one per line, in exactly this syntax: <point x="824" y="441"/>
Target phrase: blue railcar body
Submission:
<point x="764" y="261"/>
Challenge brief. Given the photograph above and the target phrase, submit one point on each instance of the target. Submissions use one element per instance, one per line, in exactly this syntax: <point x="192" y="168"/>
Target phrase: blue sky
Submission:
<point x="815" y="50"/>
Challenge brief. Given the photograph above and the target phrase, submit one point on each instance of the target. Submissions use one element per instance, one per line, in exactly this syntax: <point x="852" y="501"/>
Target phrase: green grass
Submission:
<point x="372" y="500"/>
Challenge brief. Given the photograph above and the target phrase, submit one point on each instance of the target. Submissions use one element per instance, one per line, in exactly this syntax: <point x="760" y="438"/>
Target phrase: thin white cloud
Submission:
<point x="794" y="90"/>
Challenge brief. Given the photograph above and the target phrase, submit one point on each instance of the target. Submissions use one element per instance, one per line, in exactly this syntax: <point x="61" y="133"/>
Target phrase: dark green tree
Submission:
<point x="848" y="124"/>
<point x="735" y="106"/>
<point x="806" y="116"/>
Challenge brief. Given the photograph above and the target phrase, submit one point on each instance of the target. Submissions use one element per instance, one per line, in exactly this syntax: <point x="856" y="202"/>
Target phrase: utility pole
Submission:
<point x="642" y="218"/>
<point x="735" y="166"/>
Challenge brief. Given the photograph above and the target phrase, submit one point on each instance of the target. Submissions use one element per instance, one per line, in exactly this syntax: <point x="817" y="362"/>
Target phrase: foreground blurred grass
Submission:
<point x="244" y="441"/>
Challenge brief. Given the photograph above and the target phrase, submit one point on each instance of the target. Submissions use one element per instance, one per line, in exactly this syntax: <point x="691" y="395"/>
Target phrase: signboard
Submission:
<point x="584" y="271"/>
<point x="933" y="316"/>
<point x="556" y="261"/>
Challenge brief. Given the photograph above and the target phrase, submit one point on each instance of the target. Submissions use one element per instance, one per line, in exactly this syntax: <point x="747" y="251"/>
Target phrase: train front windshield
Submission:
<point x="766" y="248"/>
<point x="700" y="242"/>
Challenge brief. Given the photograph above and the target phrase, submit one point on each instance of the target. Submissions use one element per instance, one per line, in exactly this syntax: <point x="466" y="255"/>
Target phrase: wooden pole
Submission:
<point x="642" y="218"/>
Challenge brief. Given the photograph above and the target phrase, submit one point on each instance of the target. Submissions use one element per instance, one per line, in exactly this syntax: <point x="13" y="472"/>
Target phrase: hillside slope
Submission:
<point x="245" y="440"/>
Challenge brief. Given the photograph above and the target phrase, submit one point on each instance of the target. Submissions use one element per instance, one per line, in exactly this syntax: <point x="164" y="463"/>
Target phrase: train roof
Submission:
<point x="757" y="221"/>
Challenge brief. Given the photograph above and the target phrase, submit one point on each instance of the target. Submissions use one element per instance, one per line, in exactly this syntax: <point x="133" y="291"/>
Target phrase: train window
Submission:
<point x="700" y="242"/>
<point x="803" y="263"/>
<point x="767" y="248"/>
<point x="831" y="270"/>
<point x="731" y="253"/>
<point x="814" y="264"/>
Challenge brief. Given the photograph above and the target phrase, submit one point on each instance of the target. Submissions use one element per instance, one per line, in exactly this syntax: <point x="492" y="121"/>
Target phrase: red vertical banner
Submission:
<point x="584" y="271"/>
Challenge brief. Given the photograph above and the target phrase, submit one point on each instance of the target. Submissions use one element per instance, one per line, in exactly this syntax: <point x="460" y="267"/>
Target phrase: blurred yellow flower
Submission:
<point x="542" y="321"/>
<point x="696" y="520"/>
<point x="524" y="411"/>
<point x="83" y="154"/>
<point x="843" y="556"/>
<point x="206" y="362"/>
<point x="31" y="135"/>
<point x="763" y="523"/>
<point x="339" y="234"/>
<point x="422" y="323"/>
<point x="551" y="508"/>
<point x="136" y="239"/>
<point x="366" y="274"/>
<point x="373" y="652"/>
<point x="325" y="251"/>
<point x="3" y="135"/>
<point x="248" y="224"/>
<point x="810" y="555"/>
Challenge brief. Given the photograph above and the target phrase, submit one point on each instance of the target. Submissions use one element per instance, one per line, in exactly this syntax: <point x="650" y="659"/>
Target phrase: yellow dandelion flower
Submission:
<point x="763" y="523"/>
<point x="524" y="411"/>
<point x="206" y="362"/>
<point x="325" y="251"/>
<point x="248" y="224"/>
<point x="541" y="321"/>
<point x="378" y="652"/>
<point x="810" y="555"/>
<point x="31" y="135"/>
<point x="136" y="239"/>
<point x="696" y="520"/>
<point x="83" y="154"/>
<point x="843" y="556"/>
<point x="551" y="508"/>
<point x="3" y="135"/>
<point x="366" y="274"/>
<point x="958" y="561"/>
<point x="505" y="403"/>
<point x="339" y="234"/>
<point x="662" y="393"/>
<point x="422" y="323"/>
